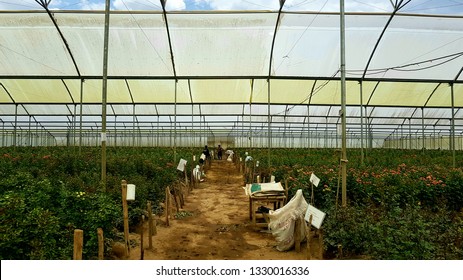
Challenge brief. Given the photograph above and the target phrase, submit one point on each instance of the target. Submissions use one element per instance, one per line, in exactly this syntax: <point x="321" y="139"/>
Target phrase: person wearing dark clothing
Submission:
<point x="206" y="153"/>
<point x="219" y="152"/>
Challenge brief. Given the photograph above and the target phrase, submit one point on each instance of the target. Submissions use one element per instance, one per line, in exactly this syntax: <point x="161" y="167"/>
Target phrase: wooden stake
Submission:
<point x="297" y="235"/>
<point x="308" y="234"/>
<point x="126" y="217"/>
<point x="320" y="243"/>
<point x="150" y="225"/>
<point x="100" y="244"/>
<point x="167" y="205"/>
<point x="142" y="249"/>
<point x="78" y="244"/>
<point x="176" y="200"/>
<point x="155" y="231"/>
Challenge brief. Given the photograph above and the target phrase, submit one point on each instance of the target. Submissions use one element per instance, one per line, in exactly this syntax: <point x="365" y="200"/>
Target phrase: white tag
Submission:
<point x="103" y="137"/>
<point x="181" y="164"/>
<point x="314" y="179"/>
<point x="317" y="216"/>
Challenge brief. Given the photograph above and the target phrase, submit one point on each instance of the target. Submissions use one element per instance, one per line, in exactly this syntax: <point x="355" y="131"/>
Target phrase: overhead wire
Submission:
<point x="146" y="36"/>
<point x="400" y="67"/>
<point x="300" y="37"/>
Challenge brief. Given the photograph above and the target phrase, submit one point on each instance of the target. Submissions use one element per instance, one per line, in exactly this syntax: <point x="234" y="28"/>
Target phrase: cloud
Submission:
<point x="19" y="5"/>
<point x="239" y="4"/>
<point x="92" y="5"/>
<point x="133" y="5"/>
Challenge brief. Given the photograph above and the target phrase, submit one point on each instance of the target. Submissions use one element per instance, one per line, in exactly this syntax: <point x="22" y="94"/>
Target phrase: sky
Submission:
<point x="415" y="6"/>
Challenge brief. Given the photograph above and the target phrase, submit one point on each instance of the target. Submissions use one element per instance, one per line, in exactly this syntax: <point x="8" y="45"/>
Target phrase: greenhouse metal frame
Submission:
<point x="241" y="78"/>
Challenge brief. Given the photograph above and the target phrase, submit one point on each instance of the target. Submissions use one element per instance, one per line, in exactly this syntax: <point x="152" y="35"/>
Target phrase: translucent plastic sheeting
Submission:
<point x="222" y="44"/>
<point x="419" y="48"/>
<point x="409" y="94"/>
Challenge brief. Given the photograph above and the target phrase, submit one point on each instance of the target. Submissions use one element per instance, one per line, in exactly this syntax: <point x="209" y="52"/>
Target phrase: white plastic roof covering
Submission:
<point x="221" y="61"/>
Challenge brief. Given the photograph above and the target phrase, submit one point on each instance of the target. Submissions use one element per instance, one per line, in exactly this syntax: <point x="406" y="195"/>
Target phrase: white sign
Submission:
<point x="181" y="165"/>
<point x="314" y="179"/>
<point x="317" y="216"/>
<point x="130" y="192"/>
<point x="103" y="137"/>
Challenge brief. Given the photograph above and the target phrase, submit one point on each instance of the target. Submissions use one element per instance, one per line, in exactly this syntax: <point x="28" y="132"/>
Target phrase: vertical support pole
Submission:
<point x="15" y="131"/>
<point x="423" y="144"/>
<point x="104" y="97"/>
<point x="250" y="114"/>
<point x="308" y="126"/>
<point x="410" y="131"/>
<point x="80" y="114"/>
<point x="74" y="128"/>
<point x="269" y="136"/>
<point x="362" y="157"/>
<point x="133" y="126"/>
<point x="343" y="107"/>
<point x="78" y="244"/>
<point x="100" y="244"/>
<point x="452" y="96"/>
<point x="29" y="139"/>
<point x="126" y="217"/>
<point x="175" y="124"/>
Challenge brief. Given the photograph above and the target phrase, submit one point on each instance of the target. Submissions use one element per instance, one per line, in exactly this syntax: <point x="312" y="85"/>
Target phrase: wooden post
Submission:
<point x="150" y="225"/>
<point x="286" y="191"/>
<point x="297" y="234"/>
<point x="126" y="217"/>
<point x="176" y="200"/>
<point x="142" y="249"/>
<point x="155" y="231"/>
<point x="100" y="244"/>
<point x="167" y="205"/>
<point x="78" y="244"/>
<point x="309" y="238"/>
<point x="320" y="243"/>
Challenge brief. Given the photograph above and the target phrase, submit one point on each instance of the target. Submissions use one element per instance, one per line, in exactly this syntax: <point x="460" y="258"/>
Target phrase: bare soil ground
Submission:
<point x="219" y="227"/>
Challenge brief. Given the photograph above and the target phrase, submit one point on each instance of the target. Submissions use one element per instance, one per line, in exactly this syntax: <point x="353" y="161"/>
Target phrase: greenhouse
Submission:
<point x="354" y="107"/>
<point x="238" y="77"/>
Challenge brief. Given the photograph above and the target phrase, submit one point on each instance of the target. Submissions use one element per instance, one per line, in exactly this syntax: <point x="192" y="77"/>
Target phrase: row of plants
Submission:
<point x="48" y="192"/>
<point x="402" y="204"/>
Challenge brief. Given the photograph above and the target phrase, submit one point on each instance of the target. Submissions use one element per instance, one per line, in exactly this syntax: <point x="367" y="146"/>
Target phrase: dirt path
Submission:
<point x="219" y="227"/>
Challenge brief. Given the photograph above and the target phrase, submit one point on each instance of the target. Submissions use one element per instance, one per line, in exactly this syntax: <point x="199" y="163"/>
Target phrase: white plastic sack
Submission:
<point x="197" y="173"/>
<point x="283" y="221"/>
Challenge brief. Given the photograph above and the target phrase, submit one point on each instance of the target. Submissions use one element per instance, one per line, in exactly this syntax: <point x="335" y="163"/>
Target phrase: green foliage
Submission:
<point x="46" y="193"/>
<point x="402" y="204"/>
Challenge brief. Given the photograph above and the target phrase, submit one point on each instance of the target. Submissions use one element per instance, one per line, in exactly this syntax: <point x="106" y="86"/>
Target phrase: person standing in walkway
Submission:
<point x="219" y="152"/>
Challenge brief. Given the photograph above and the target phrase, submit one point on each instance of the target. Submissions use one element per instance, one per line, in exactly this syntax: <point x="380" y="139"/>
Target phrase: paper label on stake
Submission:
<point x="103" y="137"/>
<point x="317" y="216"/>
<point x="314" y="179"/>
<point x="181" y="165"/>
